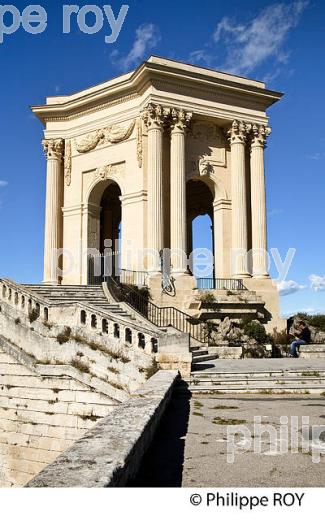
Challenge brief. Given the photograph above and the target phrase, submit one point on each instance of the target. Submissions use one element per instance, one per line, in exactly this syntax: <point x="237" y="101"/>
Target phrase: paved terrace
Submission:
<point x="190" y="448"/>
<point x="260" y="365"/>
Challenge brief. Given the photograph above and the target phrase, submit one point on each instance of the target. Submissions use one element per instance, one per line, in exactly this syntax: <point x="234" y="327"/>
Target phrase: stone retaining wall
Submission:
<point x="41" y="415"/>
<point x="110" y="454"/>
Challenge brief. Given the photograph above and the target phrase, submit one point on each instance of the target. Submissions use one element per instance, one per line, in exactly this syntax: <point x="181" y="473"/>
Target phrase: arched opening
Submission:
<point x="93" y="321"/>
<point x="200" y="234"/>
<point x="83" y="317"/>
<point x="141" y="340"/>
<point x="154" y="345"/>
<point x="104" y="230"/>
<point x="116" y="330"/>
<point x="110" y="218"/>
<point x="105" y="326"/>
<point x="128" y="336"/>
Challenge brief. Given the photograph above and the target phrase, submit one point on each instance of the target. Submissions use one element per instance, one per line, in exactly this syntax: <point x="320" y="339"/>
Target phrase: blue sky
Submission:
<point x="280" y="42"/>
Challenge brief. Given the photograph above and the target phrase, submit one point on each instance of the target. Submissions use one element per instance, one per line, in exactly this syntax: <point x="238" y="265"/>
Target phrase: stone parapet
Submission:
<point x="110" y="453"/>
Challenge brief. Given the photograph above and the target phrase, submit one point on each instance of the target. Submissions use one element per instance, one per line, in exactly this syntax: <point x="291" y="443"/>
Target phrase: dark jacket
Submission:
<point x="305" y="335"/>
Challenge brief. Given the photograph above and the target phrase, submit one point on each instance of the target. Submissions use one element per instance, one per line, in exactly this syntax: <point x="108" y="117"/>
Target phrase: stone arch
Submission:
<point x="104" y="218"/>
<point x="212" y="199"/>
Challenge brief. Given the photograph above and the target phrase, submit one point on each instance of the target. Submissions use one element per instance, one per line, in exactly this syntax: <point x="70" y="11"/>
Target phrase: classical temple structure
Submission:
<point x="130" y="164"/>
<point x="132" y="161"/>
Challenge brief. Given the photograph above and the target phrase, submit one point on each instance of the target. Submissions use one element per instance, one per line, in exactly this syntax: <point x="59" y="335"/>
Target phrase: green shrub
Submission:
<point x="64" y="336"/>
<point x="317" y="321"/>
<point x="80" y="365"/>
<point x="255" y="330"/>
<point x="207" y="297"/>
<point x="282" y="338"/>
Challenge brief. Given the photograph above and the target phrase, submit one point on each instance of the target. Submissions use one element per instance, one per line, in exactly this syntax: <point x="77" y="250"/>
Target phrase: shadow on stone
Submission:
<point x="162" y="466"/>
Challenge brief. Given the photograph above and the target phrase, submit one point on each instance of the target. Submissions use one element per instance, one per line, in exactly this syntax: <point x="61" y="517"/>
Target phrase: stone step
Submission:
<point x="93" y="296"/>
<point x="199" y="352"/>
<point x="228" y="389"/>
<point x="205" y="357"/>
<point x="259" y="373"/>
<point x="259" y="382"/>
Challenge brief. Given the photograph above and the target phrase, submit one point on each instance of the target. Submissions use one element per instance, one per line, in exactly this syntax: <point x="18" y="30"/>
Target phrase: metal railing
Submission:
<point x="227" y="284"/>
<point x="101" y="267"/>
<point x="159" y="316"/>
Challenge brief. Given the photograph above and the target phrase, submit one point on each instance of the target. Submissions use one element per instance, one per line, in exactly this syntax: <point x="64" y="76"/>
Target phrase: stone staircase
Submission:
<point x="201" y="354"/>
<point x="88" y="294"/>
<point x="94" y="295"/>
<point x="263" y="380"/>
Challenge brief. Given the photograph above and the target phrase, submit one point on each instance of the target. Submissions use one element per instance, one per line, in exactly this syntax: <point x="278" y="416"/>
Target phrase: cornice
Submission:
<point x="154" y="71"/>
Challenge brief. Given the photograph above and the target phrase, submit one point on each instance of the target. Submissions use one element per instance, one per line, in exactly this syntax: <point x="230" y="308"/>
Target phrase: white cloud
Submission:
<point x="248" y="45"/>
<point x="275" y="212"/>
<point x="307" y="310"/>
<point x="317" y="282"/>
<point x="3" y="184"/>
<point x="201" y="56"/>
<point x="316" y="156"/>
<point x="147" y="37"/>
<point x="289" y="287"/>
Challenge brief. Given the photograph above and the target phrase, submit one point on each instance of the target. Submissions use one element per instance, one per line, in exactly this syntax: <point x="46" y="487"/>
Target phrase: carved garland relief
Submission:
<point x="110" y="134"/>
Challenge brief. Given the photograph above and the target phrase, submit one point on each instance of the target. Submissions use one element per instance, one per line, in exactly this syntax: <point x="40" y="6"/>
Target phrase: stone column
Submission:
<point x="237" y="137"/>
<point x="178" y="228"/>
<point x="53" y="149"/>
<point x="154" y="118"/>
<point x="258" y="201"/>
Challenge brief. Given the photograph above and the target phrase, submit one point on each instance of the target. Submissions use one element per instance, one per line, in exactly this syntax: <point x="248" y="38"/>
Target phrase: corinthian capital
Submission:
<point x="238" y="132"/>
<point x="53" y="148"/>
<point x="260" y="134"/>
<point x="180" y="119"/>
<point x="155" y="116"/>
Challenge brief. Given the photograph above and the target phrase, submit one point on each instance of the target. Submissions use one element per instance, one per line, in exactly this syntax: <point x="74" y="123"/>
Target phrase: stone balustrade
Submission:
<point x="128" y="331"/>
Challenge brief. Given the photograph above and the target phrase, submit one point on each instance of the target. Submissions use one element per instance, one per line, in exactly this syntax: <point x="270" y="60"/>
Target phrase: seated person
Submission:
<point x="303" y="337"/>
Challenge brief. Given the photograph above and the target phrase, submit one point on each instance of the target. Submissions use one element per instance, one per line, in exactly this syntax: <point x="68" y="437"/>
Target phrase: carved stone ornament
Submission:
<point x="206" y="149"/>
<point x="260" y="134"/>
<point x="53" y="148"/>
<point x="205" y="167"/>
<point x="180" y="119"/>
<point x="238" y="132"/>
<point x="67" y="162"/>
<point x="155" y="116"/>
<point x="139" y="143"/>
<point x="106" y="172"/>
<point x="111" y="134"/>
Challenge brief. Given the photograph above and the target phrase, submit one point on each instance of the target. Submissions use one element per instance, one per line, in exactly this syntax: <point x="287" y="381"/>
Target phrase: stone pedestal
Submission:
<point x="267" y="289"/>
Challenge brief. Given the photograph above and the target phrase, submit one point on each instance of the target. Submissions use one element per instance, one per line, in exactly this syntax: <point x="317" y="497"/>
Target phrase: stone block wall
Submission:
<point x="40" y="417"/>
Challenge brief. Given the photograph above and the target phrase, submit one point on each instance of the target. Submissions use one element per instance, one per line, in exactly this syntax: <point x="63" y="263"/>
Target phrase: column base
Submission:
<point x="261" y="276"/>
<point x="180" y="272"/>
<point x="50" y="282"/>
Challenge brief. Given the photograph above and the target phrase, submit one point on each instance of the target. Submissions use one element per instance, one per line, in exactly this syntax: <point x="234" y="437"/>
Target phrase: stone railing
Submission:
<point x="130" y="332"/>
<point x="110" y="454"/>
